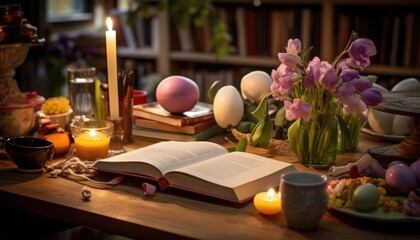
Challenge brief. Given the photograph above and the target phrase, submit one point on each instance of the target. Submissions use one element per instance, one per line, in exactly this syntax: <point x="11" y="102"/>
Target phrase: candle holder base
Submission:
<point x="116" y="143"/>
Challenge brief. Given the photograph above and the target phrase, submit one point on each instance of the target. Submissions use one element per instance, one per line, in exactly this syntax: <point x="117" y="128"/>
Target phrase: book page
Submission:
<point x="169" y="155"/>
<point x="233" y="169"/>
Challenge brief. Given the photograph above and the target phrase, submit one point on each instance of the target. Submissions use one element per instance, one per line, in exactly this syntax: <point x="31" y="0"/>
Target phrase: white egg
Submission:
<point x="255" y="85"/>
<point x="228" y="107"/>
<point x="402" y="125"/>
<point x="380" y="122"/>
<point x="407" y="85"/>
<point x="365" y="197"/>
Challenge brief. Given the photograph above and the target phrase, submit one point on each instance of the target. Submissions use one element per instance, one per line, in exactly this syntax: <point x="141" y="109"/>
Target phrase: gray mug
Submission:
<point x="303" y="198"/>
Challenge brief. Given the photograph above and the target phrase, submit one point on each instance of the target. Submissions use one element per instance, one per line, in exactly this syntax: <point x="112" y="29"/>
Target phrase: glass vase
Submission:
<point x="315" y="142"/>
<point x="350" y="125"/>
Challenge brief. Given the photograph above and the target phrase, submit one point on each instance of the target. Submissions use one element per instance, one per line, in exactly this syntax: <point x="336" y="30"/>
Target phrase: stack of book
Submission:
<point x="151" y="120"/>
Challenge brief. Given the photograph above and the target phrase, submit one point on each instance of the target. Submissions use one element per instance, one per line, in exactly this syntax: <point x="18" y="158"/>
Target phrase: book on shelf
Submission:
<point x="176" y="136"/>
<point x="201" y="167"/>
<point x="188" y="129"/>
<point x="154" y="111"/>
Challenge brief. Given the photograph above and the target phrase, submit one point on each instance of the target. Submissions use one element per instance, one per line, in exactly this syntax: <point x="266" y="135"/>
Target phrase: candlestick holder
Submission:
<point x="116" y="143"/>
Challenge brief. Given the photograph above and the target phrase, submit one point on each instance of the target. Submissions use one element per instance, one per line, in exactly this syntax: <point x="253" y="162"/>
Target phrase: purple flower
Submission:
<point x="360" y="50"/>
<point x="349" y="74"/>
<point x="289" y="59"/>
<point x="313" y="69"/>
<point x="361" y="84"/>
<point x="297" y="109"/>
<point x="293" y="46"/>
<point x="329" y="76"/>
<point x="371" y="96"/>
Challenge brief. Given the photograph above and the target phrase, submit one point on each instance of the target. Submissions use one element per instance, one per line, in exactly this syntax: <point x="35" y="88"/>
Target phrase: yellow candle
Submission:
<point x="111" y="60"/>
<point x="92" y="145"/>
<point x="268" y="202"/>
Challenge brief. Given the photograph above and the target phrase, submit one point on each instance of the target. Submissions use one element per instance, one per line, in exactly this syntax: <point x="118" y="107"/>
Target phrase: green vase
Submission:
<point x="315" y="142"/>
<point x="349" y="131"/>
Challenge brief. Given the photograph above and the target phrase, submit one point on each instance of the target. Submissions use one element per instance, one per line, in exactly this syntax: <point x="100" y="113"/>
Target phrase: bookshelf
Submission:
<point x="322" y="23"/>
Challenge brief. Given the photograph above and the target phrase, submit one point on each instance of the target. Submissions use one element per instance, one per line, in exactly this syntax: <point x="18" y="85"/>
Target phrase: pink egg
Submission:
<point x="177" y="94"/>
<point x="400" y="178"/>
<point x="415" y="167"/>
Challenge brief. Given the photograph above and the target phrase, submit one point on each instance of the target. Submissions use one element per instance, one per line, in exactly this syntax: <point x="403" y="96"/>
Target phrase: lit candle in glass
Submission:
<point x="268" y="202"/>
<point x="92" y="145"/>
<point x="111" y="60"/>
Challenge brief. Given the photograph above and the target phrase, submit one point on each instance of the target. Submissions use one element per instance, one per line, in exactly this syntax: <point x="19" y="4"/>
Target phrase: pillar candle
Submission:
<point x="111" y="59"/>
<point x="268" y="202"/>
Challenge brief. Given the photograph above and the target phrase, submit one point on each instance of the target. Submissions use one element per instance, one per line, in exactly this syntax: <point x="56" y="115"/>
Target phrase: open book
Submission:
<point x="202" y="167"/>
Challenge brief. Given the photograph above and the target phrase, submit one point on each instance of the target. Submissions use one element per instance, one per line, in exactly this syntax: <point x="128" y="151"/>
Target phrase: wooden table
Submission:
<point x="124" y="210"/>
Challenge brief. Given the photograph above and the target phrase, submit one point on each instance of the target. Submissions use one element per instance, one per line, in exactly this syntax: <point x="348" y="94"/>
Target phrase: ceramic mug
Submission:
<point x="304" y="199"/>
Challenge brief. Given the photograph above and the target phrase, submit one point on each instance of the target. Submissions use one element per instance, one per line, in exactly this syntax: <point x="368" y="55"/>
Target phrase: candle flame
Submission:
<point x="270" y="194"/>
<point x="92" y="133"/>
<point x="109" y="23"/>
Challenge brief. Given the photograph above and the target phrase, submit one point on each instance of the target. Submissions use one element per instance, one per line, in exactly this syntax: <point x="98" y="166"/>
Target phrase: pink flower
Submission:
<point x="289" y="59"/>
<point x="329" y="76"/>
<point x="313" y="69"/>
<point x="360" y="50"/>
<point x="299" y="109"/>
<point x="293" y="46"/>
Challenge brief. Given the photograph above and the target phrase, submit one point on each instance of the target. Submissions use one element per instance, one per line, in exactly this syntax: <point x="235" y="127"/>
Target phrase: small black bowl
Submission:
<point x="29" y="153"/>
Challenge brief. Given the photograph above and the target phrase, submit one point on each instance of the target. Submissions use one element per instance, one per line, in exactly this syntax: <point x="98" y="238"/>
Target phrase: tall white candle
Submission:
<point x="111" y="60"/>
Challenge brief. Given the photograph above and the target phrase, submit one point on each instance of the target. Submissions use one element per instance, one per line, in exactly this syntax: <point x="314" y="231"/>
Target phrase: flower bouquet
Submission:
<point x="316" y="97"/>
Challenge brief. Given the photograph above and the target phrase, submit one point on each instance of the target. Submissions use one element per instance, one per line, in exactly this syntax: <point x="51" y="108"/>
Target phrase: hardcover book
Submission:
<point x="166" y="135"/>
<point x="189" y="129"/>
<point x="202" y="167"/>
<point x="154" y="111"/>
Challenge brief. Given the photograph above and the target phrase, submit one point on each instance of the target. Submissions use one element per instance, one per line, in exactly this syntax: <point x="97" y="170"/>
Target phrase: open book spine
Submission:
<point x="163" y="183"/>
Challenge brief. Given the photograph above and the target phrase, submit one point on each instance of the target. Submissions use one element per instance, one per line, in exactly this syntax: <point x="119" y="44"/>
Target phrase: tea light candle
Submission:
<point x="92" y="145"/>
<point x="268" y="202"/>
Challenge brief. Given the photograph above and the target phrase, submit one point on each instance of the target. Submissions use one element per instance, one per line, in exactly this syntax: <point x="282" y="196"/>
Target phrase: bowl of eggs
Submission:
<point x="391" y="126"/>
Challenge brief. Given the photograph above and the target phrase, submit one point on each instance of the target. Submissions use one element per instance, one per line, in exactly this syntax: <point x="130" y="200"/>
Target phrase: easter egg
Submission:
<point x="365" y="197"/>
<point x="255" y="85"/>
<point x="379" y="121"/>
<point x="400" y="178"/>
<point x="415" y="168"/>
<point x="228" y="106"/>
<point x="177" y="94"/>
<point x="407" y="85"/>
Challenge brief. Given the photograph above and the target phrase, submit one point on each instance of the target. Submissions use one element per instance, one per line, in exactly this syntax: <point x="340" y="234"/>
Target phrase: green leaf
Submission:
<point x="280" y="118"/>
<point x="261" y="134"/>
<point x="371" y="78"/>
<point x="261" y="112"/>
<point x="345" y="132"/>
<point x="266" y="135"/>
<point x="242" y="144"/>
<point x="244" y="126"/>
<point x="211" y="93"/>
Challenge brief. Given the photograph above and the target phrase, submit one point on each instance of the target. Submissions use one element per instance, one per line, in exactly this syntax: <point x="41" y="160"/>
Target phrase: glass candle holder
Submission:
<point x="91" y="138"/>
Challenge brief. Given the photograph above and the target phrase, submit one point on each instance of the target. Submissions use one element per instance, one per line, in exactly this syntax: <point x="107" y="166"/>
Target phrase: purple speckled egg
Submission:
<point x="400" y="178"/>
<point x="177" y="94"/>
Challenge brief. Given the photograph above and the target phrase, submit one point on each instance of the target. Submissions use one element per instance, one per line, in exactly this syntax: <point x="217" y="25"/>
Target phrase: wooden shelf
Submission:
<point x="323" y="35"/>
<point x="234" y="60"/>
<point x="138" y="53"/>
